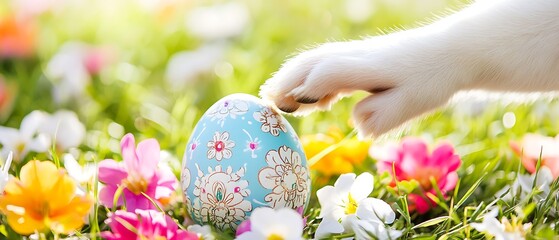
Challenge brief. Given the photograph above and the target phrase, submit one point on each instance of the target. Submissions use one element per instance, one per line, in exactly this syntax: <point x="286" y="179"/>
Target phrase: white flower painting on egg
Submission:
<point x="271" y="121"/>
<point x="185" y="180"/>
<point x="286" y="177"/>
<point x="220" y="197"/>
<point x="227" y="108"/>
<point x="220" y="147"/>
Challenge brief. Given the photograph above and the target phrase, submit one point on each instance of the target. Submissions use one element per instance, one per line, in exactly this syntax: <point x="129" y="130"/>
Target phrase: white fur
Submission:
<point x="500" y="45"/>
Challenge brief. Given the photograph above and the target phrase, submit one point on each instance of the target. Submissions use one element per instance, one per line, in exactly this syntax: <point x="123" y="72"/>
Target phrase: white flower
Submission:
<point x="523" y="185"/>
<point x="68" y="73"/>
<point x="346" y="207"/>
<point x="70" y="69"/>
<point x="4" y="173"/>
<point x="502" y="230"/>
<point x="65" y="128"/>
<point x="267" y="223"/>
<point x="27" y="138"/>
<point x="342" y="199"/>
<point x="203" y="232"/>
<point x="82" y="175"/>
<point x="370" y="218"/>
<point x="184" y="67"/>
<point x="218" y="21"/>
<point x="220" y="147"/>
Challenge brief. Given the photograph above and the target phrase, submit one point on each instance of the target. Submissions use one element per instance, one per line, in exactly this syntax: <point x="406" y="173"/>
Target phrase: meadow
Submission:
<point x="84" y="82"/>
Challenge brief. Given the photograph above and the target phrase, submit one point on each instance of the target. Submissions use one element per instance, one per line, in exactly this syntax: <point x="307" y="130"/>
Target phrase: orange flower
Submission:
<point x="341" y="160"/>
<point x="16" y="38"/>
<point x="43" y="198"/>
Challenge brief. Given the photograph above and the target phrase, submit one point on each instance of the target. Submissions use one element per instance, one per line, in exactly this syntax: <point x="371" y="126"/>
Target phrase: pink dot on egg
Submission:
<point x="253" y="145"/>
<point x="193" y="146"/>
<point x="203" y="190"/>
<point x="237" y="189"/>
<point x="219" y="146"/>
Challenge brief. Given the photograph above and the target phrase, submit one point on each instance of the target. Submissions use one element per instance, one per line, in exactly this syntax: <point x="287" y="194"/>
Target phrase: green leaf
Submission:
<point x="470" y="191"/>
<point x="408" y="187"/>
<point x="431" y="222"/>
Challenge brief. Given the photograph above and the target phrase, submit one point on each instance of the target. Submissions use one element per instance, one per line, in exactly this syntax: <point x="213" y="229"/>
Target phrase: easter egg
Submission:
<point x="242" y="155"/>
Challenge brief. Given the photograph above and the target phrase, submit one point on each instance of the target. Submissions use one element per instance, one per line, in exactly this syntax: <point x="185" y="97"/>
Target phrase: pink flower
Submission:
<point x="534" y="145"/>
<point x="144" y="224"/>
<point x="412" y="161"/>
<point x="245" y="226"/>
<point x="138" y="174"/>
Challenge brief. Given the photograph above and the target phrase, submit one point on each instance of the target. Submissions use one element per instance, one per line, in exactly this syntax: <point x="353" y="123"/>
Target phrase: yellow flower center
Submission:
<point x="135" y="185"/>
<point x="351" y="206"/>
<point x="274" y="237"/>
<point x="515" y="225"/>
<point x="423" y="176"/>
<point x="20" y="147"/>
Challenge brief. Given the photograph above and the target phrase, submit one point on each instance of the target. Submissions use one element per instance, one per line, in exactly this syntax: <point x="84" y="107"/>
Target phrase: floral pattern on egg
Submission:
<point x="220" y="195"/>
<point x="242" y="155"/>
<point x="271" y="121"/>
<point x="227" y="108"/>
<point x="220" y="147"/>
<point x="286" y="177"/>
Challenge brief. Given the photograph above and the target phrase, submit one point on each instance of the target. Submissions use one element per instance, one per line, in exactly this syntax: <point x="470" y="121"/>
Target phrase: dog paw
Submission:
<point x="404" y="82"/>
<point x="315" y="79"/>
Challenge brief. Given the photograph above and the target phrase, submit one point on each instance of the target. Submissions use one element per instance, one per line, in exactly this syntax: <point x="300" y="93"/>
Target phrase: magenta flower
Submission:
<point x="144" y="224"/>
<point x="412" y="161"/>
<point x="137" y="174"/>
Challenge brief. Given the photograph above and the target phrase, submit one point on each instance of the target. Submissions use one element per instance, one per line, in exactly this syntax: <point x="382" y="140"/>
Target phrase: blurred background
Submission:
<point x="153" y="67"/>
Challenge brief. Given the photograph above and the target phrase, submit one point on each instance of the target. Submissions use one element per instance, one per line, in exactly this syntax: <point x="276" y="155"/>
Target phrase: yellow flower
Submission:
<point x="341" y="160"/>
<point x="43" y="198"/>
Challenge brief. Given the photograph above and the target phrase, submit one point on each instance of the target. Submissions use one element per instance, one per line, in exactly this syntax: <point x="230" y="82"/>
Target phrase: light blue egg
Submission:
<point x="242" y="155"/>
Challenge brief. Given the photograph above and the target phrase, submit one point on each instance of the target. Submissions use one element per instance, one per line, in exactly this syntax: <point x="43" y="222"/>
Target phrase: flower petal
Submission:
<point x="327" y="227"/>
<point x="41" y="143"/>
<point x="284" y="221"/>
<point x="117" y="222"/>
<point x="128" y="150"/>
<point x="344" y="182"/>
<point x="71" y="217"/>
<point x="31" y="177"/>
<point x="30" y="123"/>
<point x="148" y="156"/>
<point x="363" y="186"/>
<point x="441" y="155"/>
<point x="61" y="193"/>
<point x="107" y="194"/>
<point x="416" y="149"/>
<point x="166" y="184"/>
<point x="418" y="203"/>
<point x="250" y="236"/>
<point x="111" y="172"/>
<point x="373" y="209"/>
<point x="24" y="224"/>
<point x="8" y="135"/>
